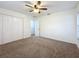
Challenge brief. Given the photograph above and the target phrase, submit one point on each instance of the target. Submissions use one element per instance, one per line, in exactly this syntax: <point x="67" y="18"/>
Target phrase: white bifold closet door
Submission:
<point x="12" y="28"/>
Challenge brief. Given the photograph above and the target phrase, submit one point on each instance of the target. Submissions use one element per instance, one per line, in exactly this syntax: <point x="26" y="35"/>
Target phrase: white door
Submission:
<point x="7" y="29"/>
<point x="12" y="29"/>
<point x="35" y="26"/>
<point x="37" y="33"/>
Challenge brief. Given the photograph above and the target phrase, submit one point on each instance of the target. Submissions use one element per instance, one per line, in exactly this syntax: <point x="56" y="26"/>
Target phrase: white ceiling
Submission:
<point x="53" y="6"/>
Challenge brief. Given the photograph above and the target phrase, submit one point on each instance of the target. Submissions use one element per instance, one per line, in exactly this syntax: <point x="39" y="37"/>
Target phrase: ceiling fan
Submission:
<point x="36" y="7"/>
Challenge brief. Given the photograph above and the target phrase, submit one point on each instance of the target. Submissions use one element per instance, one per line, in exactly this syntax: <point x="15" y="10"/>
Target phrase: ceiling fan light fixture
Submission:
<point x="38" y="6"/>
<point x="36" y="10"/>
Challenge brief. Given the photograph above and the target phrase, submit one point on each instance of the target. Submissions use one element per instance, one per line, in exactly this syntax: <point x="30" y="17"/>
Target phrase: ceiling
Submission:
<point x="53" y="6"/>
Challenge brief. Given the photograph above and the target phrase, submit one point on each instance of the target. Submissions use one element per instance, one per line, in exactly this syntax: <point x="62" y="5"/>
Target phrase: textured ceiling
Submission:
<point x="53" y="6"/>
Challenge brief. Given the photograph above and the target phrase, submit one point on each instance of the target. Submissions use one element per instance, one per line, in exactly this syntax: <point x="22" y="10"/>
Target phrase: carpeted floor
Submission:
<point x="36" y="47"/>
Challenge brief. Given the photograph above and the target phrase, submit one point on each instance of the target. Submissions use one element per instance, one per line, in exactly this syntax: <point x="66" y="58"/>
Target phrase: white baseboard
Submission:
<point x="59" y="39"/>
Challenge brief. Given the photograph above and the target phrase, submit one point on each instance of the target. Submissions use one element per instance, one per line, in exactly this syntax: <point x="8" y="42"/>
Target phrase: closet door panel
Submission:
<point x="7" y="29"/>
<point x="12" y="29"/>
<point x="18" y="28"/>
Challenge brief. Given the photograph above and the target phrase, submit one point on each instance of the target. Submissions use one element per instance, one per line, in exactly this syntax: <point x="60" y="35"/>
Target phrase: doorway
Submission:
<point x="35" y="27"/>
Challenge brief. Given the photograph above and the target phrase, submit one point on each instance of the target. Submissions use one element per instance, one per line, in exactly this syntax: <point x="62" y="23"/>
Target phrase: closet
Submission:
<point x="11" y="28"/>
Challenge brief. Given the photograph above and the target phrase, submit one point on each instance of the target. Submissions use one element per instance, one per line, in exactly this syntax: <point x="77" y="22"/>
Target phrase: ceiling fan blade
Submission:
<point x="28" y="6"/>
<point x="31" y="11"/>
<point x="38" y="2"/>
<point x="43" y="8"/>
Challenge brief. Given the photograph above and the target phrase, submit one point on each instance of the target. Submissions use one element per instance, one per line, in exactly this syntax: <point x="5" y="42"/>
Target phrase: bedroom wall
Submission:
<point x="0" y="29"/>
<point x="14" y="26"/>
<point x="78" y="21"/>
<point x="78" y="7"/>
<point x="78" y="30"/>
<point x="59" y="26"/>
<point x="77" y="25"/>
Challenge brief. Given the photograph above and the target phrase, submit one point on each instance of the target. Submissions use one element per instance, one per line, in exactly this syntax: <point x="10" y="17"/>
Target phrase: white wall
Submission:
<point x="78" y="30"/>
<point x="59" y="26"/>
<point x="78" y="21"/>
<point x="15" y="26"/>
<point x="0" y="29"/>
<point x="77" y="8"/>
<point x="77" y="25"/>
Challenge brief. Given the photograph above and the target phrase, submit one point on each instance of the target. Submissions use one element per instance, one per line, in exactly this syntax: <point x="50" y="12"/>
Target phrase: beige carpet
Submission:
<point x="35" y="47"/>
